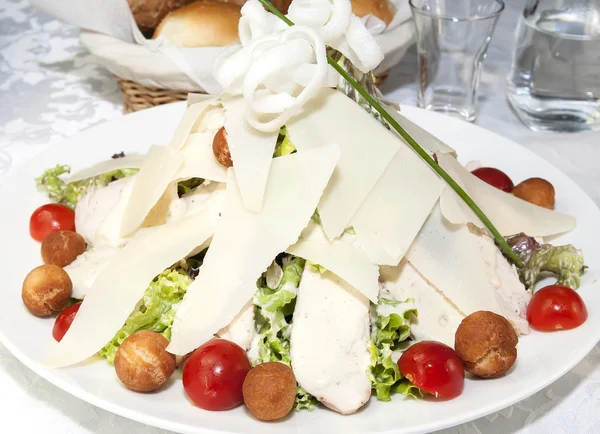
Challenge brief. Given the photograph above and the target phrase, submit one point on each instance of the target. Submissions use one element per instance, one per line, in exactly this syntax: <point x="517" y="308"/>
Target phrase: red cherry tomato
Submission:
<point x="495" y="178"/>
<point x="64" y="320"/>
<point x="214" y="375"/>
<point x="434" y="368"/>
<point x="50" y="218"/>
<point x="555" y="308"/>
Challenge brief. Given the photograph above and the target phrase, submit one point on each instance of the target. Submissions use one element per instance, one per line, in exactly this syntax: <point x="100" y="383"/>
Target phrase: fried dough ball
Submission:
<point x="62" y="247"/>
<point x="270" y="390"/>
<point x="46" y="289"/>
<point x="221" y="148"/>
<point x="537" y="191"/>
<point x="487" y="344"/>
<point x="142" y="362"/>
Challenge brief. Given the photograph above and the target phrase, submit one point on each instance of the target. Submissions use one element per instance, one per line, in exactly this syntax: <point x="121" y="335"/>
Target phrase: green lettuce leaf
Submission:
<point x="565" y="262"/>
<point x="185" y="187"/>
<point x="304" y="400"/>
<point x="284" y="145"/>
<point x="69" y="193"/>
<point x="275" y="307"/>
<point x="390" y="328"/>
<point x="155" y="311"/>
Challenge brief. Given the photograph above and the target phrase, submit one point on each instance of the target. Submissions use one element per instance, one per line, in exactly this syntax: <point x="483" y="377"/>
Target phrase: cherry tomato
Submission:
<point x="555" y="308"/>
<point x="434" y="368"/>
<point x="214" y="375"/>
<point x="50" y="218"/>
<point x="64" y="320"/>
<point x="495" y="178"/>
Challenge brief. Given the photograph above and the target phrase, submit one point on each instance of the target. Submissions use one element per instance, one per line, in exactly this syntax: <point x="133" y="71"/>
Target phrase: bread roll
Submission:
<point x="149" y="13"/>
<point x="382" y="9"/>
<point x="204" y="23"/>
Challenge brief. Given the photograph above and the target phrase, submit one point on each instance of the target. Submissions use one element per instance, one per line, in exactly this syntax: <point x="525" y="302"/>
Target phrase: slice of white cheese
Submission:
<point x="246" y="243"/>
<point x="241" y="329"/>
<point x="199" y="160"/>
<point x="329" y="341"/>
<point x="122" y="283"/>
<point x="251" y="152"/>
<point x="467" y="268"/>
<point x="423" y="137"/>
<point x="160" y="167"/>
<point x="508" y="213"/>
<point x="366" y="150"/>
<point x="341" y="257"/>
<point x="84" y="270"/>
<point x="132" y="161"/>
<point x="96" y="205"/>
<point x="437" y="318"/>
<point x="192" y="116"/>
<point x="394" y="211"/>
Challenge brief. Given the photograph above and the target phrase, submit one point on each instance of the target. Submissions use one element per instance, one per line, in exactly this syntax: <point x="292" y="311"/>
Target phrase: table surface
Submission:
<point x="50" y="89"/>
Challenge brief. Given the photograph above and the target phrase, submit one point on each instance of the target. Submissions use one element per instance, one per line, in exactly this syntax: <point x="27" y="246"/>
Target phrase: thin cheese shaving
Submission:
<point x="367" y="149"/>
<point x="199" y="160"/>
<point x="392" y="214"/>
<point x="132" y="161"/>
<point x="341" y="257"/>
<point x="190" y="118"/>
<point x="508" y="213"/>
<point x="121" y="284"/>
<point x="251" y="151"/>
<point x="160" y="167"/>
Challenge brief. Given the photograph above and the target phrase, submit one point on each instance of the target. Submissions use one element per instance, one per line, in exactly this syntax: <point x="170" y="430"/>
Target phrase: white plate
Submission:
<point x="542" y="357"/>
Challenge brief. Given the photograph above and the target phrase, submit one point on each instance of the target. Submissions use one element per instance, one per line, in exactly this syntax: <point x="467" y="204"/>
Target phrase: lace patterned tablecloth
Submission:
<point x="50" y="89"/>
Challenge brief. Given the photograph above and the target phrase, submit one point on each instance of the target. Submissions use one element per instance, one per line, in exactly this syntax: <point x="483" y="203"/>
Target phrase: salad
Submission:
<point x="279" y="262"/>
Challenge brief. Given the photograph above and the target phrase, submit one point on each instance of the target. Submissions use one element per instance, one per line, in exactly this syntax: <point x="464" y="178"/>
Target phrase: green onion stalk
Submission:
<point x="385" y="116"/>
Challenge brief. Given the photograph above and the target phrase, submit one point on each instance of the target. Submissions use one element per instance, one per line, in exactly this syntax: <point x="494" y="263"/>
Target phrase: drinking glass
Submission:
<point x="554" y="82"/>
<point x="452" y="41"/>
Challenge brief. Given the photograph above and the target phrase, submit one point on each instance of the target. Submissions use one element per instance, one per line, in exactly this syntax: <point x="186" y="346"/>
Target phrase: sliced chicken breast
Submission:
<point x="329" y="341"/>
<point x="93" y="208"/>
<point x="465" y="265"/>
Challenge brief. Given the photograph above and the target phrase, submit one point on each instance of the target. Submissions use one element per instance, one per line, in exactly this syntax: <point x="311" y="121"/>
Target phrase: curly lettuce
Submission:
<point x="155" y="311"/>
<point x="390" y="328"/>
<point x="69" y="193"/>
<point x="565" y="262"/>
<point x="274" y="308"/>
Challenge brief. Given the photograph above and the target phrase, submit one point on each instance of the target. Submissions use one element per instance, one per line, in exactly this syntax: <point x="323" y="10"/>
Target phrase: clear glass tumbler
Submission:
<point x="452" y="41"/>
<point x="554" y="83"/>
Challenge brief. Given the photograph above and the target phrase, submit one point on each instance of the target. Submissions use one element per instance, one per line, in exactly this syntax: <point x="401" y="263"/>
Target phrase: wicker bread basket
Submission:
<point x="138" y="97"/>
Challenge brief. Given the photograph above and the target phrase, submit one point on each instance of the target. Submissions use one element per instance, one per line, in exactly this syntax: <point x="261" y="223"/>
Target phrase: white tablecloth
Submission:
<point x="50" y="89"/>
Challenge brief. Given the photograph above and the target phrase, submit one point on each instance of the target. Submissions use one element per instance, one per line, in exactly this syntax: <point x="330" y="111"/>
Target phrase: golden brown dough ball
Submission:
<point x="487" y="344"/>
<point x="142" y="362"/>
<point x="46" y="289"/>
<point x="537" y="191"/>
<point x="270" y="390"/>
<point x="62" y="247"/>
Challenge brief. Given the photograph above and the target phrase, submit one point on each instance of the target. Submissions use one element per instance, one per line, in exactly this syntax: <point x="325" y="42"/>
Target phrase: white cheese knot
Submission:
<point x="340" y="29"/>
<point x="279" y="68"/>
